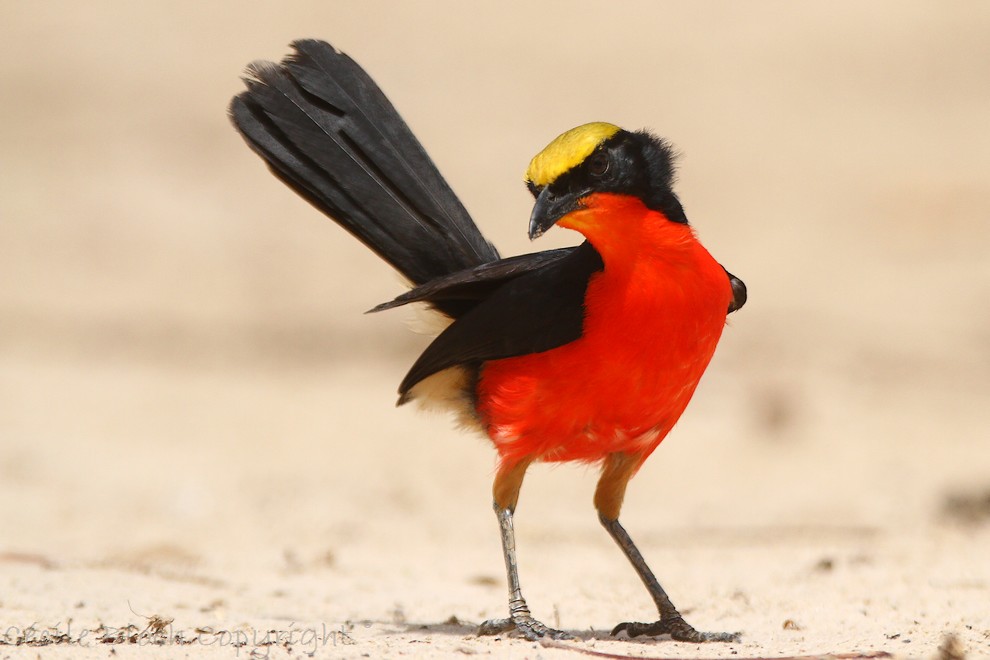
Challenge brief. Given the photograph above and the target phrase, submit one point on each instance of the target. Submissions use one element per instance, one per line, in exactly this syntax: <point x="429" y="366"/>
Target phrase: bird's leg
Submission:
<point x="617" y="471"/>
<point x="506" y="495"/>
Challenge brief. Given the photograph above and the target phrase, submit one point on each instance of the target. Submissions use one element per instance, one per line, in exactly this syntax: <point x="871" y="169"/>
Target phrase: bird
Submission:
<point x="583" y="354"/>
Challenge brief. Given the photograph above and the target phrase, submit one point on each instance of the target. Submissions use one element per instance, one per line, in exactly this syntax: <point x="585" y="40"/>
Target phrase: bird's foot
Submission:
<point x="525" y="625"/>
<point x="677" y="628"/>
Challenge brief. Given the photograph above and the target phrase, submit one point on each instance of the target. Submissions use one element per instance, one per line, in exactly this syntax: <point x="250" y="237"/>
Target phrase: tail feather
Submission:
<point x="326" y="129"/>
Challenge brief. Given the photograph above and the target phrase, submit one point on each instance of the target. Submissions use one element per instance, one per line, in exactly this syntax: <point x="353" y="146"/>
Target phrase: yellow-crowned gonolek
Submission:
<point x="586" y="354"/>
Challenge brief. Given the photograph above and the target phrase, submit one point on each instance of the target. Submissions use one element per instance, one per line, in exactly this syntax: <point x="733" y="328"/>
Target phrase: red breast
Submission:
<point x="653" y="317"/>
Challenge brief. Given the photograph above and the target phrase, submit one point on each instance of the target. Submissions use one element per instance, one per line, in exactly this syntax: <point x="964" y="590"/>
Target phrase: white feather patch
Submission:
<point x="448" y="391"/>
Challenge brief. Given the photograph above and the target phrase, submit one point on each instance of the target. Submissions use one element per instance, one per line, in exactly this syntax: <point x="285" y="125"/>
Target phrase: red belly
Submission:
<point x="649" y="334"/>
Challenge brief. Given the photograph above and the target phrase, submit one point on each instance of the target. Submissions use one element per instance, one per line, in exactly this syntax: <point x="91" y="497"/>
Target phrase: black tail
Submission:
<point x="327" y="130"/>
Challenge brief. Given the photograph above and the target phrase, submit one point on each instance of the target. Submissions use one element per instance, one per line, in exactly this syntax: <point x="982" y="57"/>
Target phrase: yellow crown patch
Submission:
<point x="568" y="150"/>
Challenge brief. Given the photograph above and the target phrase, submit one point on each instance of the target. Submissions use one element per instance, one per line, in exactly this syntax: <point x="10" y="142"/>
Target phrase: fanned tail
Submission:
<point x="326" y="129"/>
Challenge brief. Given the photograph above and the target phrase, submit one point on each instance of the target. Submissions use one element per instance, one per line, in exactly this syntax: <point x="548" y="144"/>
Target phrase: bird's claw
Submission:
<point x="526" y="626"/>
<point x="677" y="628"/>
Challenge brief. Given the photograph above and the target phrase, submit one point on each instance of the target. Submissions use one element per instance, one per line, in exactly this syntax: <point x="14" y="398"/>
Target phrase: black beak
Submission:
<point x="551" y="207"/>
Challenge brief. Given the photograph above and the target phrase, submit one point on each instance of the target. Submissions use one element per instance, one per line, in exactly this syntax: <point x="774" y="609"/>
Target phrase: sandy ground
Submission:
<point x="198" y="444"/>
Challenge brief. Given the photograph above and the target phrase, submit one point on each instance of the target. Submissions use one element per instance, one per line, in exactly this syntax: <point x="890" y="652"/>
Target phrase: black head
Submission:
<point x="621" y="162"/>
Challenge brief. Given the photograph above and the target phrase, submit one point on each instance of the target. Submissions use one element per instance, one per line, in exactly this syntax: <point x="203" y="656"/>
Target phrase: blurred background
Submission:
<point x="187" y="379"/>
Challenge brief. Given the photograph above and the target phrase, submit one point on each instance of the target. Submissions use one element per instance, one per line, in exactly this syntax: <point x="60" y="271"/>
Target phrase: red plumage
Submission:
<point x="582" y="354"/>
<point x="653" y="318"/>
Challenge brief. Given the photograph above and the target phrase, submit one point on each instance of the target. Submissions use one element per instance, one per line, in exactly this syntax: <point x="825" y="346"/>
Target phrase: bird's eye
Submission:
<point x="598" y="164"/>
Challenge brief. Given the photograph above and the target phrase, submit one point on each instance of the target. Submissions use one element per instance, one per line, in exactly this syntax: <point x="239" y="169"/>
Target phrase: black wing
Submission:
<point x="325" y="128"/>
<point x="738" y="292"/>
<point x="459" y="292"/>
<point x="534" y="312"/>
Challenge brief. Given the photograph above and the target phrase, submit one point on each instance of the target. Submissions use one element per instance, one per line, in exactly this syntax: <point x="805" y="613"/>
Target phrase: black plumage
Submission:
<point x="635" y="163"/>
<point x="530" y="313"/>
<point x="464" y="289"/>
<point x="326" y="129"/>
<point x="738" y="292"/>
